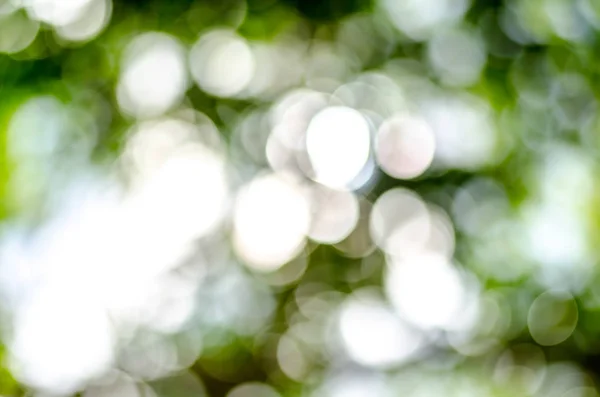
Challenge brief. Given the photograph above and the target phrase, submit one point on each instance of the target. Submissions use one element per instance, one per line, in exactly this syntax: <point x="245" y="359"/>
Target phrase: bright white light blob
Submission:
<point x="555" y="235"/>
<point x="373" y="335"/>
<point x="253" y="389"/>
<point x="188" y="194"/>
<point x="17" y="32"/>
<point x="56" y="12"/>
<point x="428" y="291"/>
<point x="222" y="63"/>
<point x="552" y="318"/>
<point x="457" y="56"/>
<point x="405" y="146"/>
<point x="464" y="131"/>
<point x="335" y="214"/>
<point x="105" y="254"/>
<point x="122" y="276"/>
<point x="338" y="142"/>
<point x="153" y="75"/>
<point x="28" y="261"/>
<point x="179" y="177"/>
<point x="420" y="18"/>
<point x="88" y="25"/>
<point x="61" y="339"/>
<point x="400" y="222"/>
<point x="271" y="221"/>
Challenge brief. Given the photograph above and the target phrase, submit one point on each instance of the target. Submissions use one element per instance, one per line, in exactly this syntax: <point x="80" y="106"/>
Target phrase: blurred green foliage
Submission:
<point x="520" y="82"/>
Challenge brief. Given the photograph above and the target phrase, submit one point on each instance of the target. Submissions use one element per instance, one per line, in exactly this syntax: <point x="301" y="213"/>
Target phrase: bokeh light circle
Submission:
<point x="222" y="63"/>
<point x="153" y="75"/>
<point x="271" y="220"/>
<point x="400" y="222"/>
<point x="338" y="142"/>
<point x="405" y="146"/>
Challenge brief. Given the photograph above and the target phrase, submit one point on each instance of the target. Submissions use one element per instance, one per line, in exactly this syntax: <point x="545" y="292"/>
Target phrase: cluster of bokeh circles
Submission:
<point x="71" y="21"/>
<point x="400" y="203"/>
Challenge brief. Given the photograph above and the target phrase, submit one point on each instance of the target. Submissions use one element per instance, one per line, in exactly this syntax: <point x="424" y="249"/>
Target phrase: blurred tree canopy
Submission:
<point x="447" y="150"/>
